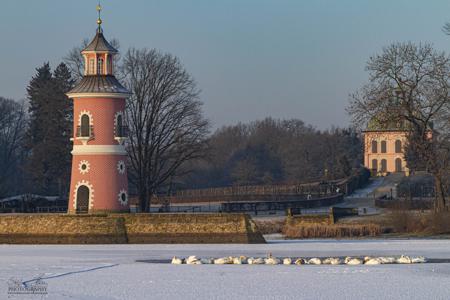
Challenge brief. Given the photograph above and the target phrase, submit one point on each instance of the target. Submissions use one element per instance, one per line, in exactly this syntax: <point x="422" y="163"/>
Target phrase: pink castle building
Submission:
<point x="99" y="176"/>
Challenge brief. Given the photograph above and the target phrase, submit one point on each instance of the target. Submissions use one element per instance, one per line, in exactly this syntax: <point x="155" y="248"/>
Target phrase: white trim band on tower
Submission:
<point x="98" y="95"/>
<point x="98" y="150"/>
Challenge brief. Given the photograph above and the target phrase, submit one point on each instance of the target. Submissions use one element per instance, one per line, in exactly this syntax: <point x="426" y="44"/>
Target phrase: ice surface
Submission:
<point x="111" y="271"/>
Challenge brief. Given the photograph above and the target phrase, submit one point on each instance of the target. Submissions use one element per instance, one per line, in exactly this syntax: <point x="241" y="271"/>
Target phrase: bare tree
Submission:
<point x="446" y="28"/>
<point x="409" y="84"/>
<point x="164" y="114"/>
<point x="12" y="127"/>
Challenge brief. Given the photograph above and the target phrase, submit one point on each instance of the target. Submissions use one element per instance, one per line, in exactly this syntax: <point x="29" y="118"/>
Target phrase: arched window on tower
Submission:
<point x="119" y="127"/>
<point x="85" y="128"/>
<point x="383" y="147"/>
<point x="100" y="66"/>
<point x="110" y="64"/>
<point x="91" y="66"/>
<point x="374" y="147"/>
<point x="398" y="146"/>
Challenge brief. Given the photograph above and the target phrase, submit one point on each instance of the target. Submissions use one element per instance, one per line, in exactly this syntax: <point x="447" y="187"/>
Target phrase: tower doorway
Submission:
<point x="82" y="199"/>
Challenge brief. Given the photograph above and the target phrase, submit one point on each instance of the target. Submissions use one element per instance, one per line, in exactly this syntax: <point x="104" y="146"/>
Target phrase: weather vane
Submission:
<point x="99" y="20"/>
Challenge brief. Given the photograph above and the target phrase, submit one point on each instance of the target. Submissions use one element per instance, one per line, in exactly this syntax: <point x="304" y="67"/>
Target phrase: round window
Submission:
<point x="123" y="197"/>
<point x="84" y="166"/>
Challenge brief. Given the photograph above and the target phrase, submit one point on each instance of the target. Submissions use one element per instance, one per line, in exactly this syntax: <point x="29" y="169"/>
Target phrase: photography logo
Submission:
<point x="36" y="286"/>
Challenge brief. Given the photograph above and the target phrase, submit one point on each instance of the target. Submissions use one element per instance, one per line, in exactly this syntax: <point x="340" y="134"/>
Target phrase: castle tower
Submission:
<point x="99" y="177"/>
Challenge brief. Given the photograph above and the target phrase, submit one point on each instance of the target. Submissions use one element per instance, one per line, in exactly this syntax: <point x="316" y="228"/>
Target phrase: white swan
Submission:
<point x="255" y="261"/>
<point x="177" y="261"/>
<point x="314" y="261"/>
<point x="299" y="261"/>
<point x="352" y="261"/>
<point x="223" y="261"/>
<point x="372" y="261"/>
<point x="237" y="260"/>
<point x="272" y="261"/>
<point x="404" y="259"/>
<point x="287" y="261"/>
<point x="387" y="260"/>
<point x="418" y="260"/>
<point x="193" y="260"/>
<point x="332" y="261"/>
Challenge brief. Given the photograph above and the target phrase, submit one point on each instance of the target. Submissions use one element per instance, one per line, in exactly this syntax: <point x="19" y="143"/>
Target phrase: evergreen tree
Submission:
<point x="49" y="130"/>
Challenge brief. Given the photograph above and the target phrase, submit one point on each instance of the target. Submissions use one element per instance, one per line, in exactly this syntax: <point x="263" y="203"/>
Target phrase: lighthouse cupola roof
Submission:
<point x="99" y="68"/>
<point x="99" y="42"/>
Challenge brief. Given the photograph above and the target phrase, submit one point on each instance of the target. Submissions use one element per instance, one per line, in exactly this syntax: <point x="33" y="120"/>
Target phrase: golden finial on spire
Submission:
<point x="99" y="20"/>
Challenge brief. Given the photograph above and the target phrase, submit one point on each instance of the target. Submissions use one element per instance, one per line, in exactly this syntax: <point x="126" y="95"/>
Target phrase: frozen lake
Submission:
<point x="111" y="271"/>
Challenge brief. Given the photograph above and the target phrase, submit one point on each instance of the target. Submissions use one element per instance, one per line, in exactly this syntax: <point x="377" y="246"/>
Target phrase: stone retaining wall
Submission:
<point x="128" y="228"/>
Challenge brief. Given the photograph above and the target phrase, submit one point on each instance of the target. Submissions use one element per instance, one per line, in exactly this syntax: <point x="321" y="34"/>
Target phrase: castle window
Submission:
<point x="398" y="165"/>
<point x="383" y="147"/>
<point x="100" y="69"/>
<point x="383" y="166"/>
<point x="398" y="146"/>
<point x="374" y="147"/>
<point x="374" y="164"/>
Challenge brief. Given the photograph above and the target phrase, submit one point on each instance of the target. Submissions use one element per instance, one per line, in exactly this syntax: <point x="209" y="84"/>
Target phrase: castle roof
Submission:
<point x="376" y="124"/>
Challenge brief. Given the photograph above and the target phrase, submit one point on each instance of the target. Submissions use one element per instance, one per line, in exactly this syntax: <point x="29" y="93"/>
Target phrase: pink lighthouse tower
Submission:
<point x="99" y="177"/>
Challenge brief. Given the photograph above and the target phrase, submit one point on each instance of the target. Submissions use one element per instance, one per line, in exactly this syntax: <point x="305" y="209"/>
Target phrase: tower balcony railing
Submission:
<point x="84" y="133"/>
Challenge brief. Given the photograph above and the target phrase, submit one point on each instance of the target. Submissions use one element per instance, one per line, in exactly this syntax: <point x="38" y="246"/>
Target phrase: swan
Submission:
<point x="353" y="261"/>
<point x="372" y="261"/>
<point x="177" y="261"/>
<point x="237" y="261"/>
<point x="332" y="261"/>
<point x="299" y="261"/>
<point x="387" y="259"/>
<point x="223" y="261"/>
<point x="287" y="261"/>
<point x="193" y="260"/>
<point x="255" y="261"/>
<point x="367" y="258"/>
<point x="272" y="261"/>
<point x="314" y="261"/>
<point x="404" y="259"/>
<point x="418" y="260"/>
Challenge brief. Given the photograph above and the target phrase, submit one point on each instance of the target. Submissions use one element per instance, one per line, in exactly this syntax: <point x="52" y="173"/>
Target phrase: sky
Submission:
<point x="251" y="58"/>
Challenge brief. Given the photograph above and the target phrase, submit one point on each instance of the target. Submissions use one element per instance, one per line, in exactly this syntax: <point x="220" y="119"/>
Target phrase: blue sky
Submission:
<point x="251" y="58"/>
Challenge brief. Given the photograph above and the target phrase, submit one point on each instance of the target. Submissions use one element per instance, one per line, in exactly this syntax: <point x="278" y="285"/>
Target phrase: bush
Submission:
<point x="418" y="222"/>
<point x="270" y="226"/>
<point x="331" y="231"/>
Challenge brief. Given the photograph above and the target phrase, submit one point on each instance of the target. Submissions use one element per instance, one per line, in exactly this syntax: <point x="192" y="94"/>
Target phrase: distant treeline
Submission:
<point x="274" y="152"/>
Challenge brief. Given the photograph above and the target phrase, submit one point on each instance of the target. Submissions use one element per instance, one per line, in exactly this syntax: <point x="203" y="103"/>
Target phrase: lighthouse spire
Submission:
<point x="99" y="19"/>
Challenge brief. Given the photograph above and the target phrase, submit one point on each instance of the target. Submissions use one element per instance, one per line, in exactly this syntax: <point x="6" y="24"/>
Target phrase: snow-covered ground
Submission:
<point x="111" y="271"/>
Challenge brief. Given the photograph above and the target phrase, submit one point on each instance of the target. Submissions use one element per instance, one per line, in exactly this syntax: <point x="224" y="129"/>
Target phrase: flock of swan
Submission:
<point x="271" y="260"/>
